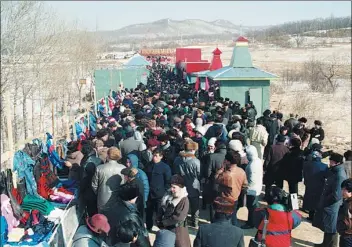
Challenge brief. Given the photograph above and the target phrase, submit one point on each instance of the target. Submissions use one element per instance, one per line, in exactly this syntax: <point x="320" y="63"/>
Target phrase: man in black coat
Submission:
<point x="123" y="210"/>
<point x="317" y="132"/>
<point x="271" y="163"/>
<point x="213" y="163"/>
<point x="251" y="111"/>
<point x="291" y="166"/>
<point x="221" y="232"/>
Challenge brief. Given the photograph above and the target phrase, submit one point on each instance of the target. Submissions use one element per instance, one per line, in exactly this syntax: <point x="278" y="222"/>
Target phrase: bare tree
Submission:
<point x="299" y="40"/>
<point x="330" y="71"/>
<point x="82" y="55"/>
<point x="312" y="75"/>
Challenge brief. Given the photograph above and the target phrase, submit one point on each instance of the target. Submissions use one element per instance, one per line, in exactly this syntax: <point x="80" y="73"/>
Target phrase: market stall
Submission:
<point x="40" y="205"/>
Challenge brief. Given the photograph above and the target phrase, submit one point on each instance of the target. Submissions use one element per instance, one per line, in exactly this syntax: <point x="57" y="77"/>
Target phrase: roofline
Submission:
<point x="244" y="79"/>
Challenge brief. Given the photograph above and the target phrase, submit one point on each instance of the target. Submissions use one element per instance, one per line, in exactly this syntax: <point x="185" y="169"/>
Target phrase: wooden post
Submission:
<point x="88" y="117"/>
<point x="9" y="128"/>
<point x="67" y="126"/>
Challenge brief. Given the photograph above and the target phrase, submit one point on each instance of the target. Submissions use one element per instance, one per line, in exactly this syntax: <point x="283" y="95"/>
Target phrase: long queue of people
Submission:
<point x="150" y="163"/>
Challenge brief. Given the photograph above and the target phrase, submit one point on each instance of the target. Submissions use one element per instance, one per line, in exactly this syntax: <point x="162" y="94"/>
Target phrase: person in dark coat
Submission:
<point x="174" y="210"/>
<point x="123" y="210"/>
<point x="159" y="175"/>
<point x="130" y="177"/>
<point x="212" y="163"/>
<point x="344" y="219"/>
<point x="106" y="137"/>
<point x="271" y="163"/>
<point x="251" y="112"/>
<point x="221" y="232"/>
<point x="290" y="123"/>
<point x="330" y="201"/>
<point x="317" y="132"/>
<point x="89" y="165"/>
<point x="291" y="166"/>
<point x="314" y="172"/>
<point x="188" y="166"/>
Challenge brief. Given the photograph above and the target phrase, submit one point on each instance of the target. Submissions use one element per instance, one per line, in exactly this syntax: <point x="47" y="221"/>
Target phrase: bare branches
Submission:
<point x="322" y="75"/>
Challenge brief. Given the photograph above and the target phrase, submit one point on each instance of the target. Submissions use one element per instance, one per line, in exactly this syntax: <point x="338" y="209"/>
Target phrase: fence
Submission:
<point x="67" y="127"/>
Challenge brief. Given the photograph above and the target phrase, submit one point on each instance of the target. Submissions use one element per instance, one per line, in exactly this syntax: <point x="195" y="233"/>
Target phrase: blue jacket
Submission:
<point x="314" y="172"/>
<point x="23" y="165"/>
<point x="140" y="175"/>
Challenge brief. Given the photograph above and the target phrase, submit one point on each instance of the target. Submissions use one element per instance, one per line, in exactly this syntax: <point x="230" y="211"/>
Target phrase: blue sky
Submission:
<point x="111" y="15"/>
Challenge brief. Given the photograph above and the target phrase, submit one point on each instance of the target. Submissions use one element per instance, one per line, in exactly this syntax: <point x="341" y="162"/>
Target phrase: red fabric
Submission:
<point x="25" y="217"/>
<point x="206" y="84"/>
<point x="190" y="130"/>
<point x="196" y="87"/>
<point x="43" y="188"/>
<point x="17" y="196"/>
<point x="279" y="221"/>
<point x="79" y="146"/>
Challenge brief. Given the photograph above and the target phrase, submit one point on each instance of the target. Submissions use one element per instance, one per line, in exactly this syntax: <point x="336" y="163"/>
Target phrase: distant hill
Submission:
<point x="168" y="28"/>
<point x="320" y="27"/>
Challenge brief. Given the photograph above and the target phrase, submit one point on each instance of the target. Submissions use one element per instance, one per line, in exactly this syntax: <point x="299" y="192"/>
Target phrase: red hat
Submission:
<point x="98" y="222"/>
<point x="157" y="132"/>
<point x="153" y="142"/>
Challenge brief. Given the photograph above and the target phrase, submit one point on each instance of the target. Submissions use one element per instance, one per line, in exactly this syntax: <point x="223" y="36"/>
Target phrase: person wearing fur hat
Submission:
<point x="220" y="232"/>
<point x="188" y="166"/>
<point x="317" y="131"/>
<point x="330" y="201"/>
<point x="174" y="210"/>
<point x="93" y="233"/>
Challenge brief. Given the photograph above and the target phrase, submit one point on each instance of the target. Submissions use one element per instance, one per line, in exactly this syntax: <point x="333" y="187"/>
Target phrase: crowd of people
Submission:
<point x="166" y="151"/>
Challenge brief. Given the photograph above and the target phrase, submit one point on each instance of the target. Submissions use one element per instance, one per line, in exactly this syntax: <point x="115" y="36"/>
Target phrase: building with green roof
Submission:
<point x="241" y="81"/>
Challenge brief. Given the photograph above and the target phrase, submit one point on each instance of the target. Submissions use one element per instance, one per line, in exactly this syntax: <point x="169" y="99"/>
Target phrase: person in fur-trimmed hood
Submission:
<point x="174" y="210"/>
<point x="188" y="166"/>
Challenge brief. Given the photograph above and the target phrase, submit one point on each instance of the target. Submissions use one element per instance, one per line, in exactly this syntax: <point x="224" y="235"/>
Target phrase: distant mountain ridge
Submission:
<point x="168" y="28"/>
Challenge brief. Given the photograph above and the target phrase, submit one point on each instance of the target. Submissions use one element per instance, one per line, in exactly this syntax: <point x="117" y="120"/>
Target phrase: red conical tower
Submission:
<point x="216" y="62"/>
